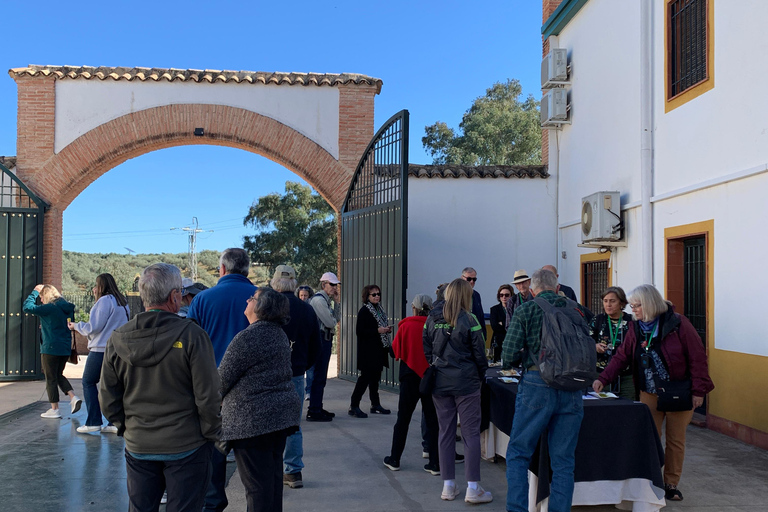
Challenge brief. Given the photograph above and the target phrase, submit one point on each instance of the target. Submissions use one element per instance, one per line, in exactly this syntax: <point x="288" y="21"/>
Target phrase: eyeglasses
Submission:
<point x="250" y="299"/>
<point x="505" y="295"/>
<point x="635" y="306"/>
<point x="377" y="294"/>
<point x="470" y="279"/>
<point x="334" y="284"/>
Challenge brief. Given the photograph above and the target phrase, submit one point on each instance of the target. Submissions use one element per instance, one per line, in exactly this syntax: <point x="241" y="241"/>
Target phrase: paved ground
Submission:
<point x="46" y="466"/>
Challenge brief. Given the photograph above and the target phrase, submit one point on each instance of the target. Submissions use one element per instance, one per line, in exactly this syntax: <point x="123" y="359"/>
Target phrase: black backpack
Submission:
<point x="568" y="358"/>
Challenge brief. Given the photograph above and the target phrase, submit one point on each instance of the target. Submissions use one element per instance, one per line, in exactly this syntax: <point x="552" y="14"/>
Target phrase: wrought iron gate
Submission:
<point x="21" y="268"/>
<point x="695" y="290"/>
<point x="374" y="231"/>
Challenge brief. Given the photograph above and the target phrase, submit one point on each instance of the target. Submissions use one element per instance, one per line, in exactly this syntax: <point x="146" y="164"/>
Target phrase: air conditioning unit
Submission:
<point x="601" y="217"/>
<point x="554" y="108"/>
<point x="554" y="68"/>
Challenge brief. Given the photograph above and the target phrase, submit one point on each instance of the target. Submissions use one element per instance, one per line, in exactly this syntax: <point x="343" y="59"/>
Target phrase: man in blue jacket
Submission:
<point x="469" y="274"/>
<point x="220" y="311"/>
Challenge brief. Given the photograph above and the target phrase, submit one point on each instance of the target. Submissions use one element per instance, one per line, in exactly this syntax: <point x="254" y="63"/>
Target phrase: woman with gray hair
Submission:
<point x="260" y="407"/>
<point x="409" y="349"/>
<point x="664" y="352"/>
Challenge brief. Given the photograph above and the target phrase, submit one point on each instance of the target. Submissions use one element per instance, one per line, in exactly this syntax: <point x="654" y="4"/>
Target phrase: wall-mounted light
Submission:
<point x="199" y="132"/>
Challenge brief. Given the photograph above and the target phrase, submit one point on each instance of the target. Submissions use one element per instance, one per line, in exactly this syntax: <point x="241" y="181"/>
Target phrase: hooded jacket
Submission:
<point x="57" y="338"/>
<point x="159" y="384"/>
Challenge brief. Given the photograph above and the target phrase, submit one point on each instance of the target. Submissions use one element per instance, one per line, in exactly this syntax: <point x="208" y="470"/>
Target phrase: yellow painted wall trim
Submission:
<point x="705" y="85"/>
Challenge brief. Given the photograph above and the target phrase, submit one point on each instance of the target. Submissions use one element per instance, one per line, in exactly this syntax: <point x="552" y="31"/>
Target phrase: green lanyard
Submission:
<point x="614" y="335"/>
<point x="649" y="337"/>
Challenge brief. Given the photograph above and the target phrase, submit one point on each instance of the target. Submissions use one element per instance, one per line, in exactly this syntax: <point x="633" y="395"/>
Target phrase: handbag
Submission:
<point x="427" y="384"/>
<point x="73" y="355"/>
<point x="674" y="395"/>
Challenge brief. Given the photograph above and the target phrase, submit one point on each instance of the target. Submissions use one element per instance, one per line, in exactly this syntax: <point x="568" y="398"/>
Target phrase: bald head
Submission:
<point x="551" y="268"/>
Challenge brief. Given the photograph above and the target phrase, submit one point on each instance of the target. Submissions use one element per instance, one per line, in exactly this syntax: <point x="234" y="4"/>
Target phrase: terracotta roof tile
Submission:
<point x="196" y="75"/>
<point x="483" y="171"/>
<point x="8" y="161"/>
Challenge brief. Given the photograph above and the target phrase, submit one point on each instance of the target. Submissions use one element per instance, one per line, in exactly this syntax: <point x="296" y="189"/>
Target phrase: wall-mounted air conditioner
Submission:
<point x="601" y="217"/>
<point x="554" y="69"/>
<point x="554" y="108"/>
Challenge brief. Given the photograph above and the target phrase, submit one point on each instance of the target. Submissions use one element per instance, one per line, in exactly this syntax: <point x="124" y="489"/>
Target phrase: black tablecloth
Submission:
<point x="617" y="441"/>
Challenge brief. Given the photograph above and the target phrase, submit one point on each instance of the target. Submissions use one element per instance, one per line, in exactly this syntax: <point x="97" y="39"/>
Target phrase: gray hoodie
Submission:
<point x="159" y="384"/>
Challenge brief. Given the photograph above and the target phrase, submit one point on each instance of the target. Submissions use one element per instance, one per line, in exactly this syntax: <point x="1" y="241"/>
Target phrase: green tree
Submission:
<point x="297" y="228"/>
<point x="498" y="129"/>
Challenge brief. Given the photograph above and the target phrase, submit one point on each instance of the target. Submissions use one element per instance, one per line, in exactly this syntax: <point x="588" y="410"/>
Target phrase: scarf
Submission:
<point x="381" y="317"/>
<point x="647" y="327"/>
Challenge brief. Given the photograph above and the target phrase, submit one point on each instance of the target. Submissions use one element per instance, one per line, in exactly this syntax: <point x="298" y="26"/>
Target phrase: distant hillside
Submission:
<point x="80" y="269"/>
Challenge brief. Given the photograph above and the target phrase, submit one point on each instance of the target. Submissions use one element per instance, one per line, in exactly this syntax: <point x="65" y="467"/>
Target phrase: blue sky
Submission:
<point x="434" y="57"/>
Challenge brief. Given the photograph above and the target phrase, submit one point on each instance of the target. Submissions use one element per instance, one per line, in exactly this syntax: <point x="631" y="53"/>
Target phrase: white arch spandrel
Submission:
<point x="82" y="105"/>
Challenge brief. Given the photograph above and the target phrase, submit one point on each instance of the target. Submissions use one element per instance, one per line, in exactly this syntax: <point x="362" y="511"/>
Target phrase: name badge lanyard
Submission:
<point x="614" y="335"/>
<point x="649" y="337"/>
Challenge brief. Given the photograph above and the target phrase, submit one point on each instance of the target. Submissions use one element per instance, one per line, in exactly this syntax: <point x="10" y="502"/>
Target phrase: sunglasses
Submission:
<point x="505" y="295"/>
<point x="377" y="294"/>
<point x="334" y="284"/>
<point x="470" y="279"/>
<point x="304" y="288"/>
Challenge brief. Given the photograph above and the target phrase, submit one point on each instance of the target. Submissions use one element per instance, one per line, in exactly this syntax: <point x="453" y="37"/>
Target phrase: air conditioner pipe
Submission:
<point x="646" y="141"/>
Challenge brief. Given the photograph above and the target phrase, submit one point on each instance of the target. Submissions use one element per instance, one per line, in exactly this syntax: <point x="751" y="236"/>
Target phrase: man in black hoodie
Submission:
<point x="160" y="388"/>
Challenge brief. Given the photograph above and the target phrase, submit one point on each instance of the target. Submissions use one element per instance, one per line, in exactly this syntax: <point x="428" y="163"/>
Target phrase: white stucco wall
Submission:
<point x="494" y="225"/>
<point x="82" y="105"/>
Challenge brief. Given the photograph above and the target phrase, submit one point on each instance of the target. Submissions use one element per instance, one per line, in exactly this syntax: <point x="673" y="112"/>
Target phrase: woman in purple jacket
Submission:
<point x="662" y="345"/>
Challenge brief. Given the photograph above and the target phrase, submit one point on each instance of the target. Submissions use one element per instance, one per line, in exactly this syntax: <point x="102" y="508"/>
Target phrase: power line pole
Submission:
<point x="193" y="231"/>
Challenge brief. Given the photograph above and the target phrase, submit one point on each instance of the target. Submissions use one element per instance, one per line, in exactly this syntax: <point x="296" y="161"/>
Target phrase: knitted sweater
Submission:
<point x="258" y="396"/>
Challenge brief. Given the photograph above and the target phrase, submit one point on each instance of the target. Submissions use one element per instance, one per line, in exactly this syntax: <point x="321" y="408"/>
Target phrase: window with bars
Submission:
<point x="594" y="282"/>
<point x="688" y="46"/>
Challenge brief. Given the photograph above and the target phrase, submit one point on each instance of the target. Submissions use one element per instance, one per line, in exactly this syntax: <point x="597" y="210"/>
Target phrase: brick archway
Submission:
<point x="59" y="177"/>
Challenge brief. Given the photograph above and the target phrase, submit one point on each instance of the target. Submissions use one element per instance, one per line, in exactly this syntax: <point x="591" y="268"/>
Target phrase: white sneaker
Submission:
<point x="75" y="404"/>
<point x="478" y="495"/>
<point x="449" y="493"/>
<point x="51" y="413"/>
<point x="109" y="429"/>
<point x="85" y="429"/>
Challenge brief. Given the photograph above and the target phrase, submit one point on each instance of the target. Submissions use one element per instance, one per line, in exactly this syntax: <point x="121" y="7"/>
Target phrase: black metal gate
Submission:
<point x="595" y="279"/>
<point x="374" y="230"/>
<point x="21" y="268"/>
<point x="695" y="289"/>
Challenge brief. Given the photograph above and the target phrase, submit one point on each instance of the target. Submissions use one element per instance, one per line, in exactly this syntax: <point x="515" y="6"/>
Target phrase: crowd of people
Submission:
<point x="231" y="363"/>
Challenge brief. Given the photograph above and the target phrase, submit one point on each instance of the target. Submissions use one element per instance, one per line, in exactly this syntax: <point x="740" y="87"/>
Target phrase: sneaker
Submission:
<point x="85" y="429"/>
<point x="478" y="495"/>
<point x="293" y="480"/>
<point x="356" y="412"/>
<point x="433" y="468"/>
<point x="424" y="455"/>
<point x="378" y="409"/>
<point x="672" y="493"/>
<point x="109" y="429"/>
<point x="51" y="413"/>
<point x="75" y="404"/>
<point x="318" y="416"/>
<point x="164" y="499"/>
<point x="391" y="463"/>
<point x="328" y="413"/>
<point x="459" y="458"/>
<point x="449" y="493"/>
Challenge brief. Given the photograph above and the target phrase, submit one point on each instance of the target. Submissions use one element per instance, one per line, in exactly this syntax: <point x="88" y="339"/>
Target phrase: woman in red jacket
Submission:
<point x="662" y="346"/>
<point x="409" y="349"/>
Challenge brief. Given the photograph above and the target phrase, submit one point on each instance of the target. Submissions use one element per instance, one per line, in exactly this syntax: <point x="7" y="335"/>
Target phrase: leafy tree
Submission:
<point x="297" y="228"/>
<point x="498" y="129"/>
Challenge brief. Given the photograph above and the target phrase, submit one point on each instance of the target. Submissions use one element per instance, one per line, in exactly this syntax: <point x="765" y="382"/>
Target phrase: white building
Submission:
<point x="663" y="110"/>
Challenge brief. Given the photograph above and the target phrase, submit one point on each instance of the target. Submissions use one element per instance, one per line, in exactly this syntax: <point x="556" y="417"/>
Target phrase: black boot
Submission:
<point x="378" y="409"/>
<point x="356" y="412"/>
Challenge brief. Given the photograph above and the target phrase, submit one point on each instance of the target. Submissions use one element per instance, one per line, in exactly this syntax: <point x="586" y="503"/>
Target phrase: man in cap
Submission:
<point x="304" y="336"/>
<point x="188" y="292"/>
<point x="470" y="275"/>
<point x="220" y="312"/>
<point x="328" y="316"/>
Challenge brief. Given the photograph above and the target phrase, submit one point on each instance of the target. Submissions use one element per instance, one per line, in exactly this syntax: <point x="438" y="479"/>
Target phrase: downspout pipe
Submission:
<point x="646" y="141"/>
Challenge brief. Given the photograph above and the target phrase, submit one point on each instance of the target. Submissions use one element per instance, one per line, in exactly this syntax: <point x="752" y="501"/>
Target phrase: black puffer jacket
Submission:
<point x="462" y="365"/>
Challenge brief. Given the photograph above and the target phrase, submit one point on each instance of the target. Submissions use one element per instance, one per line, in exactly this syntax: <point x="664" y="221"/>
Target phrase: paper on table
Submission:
<point x="589" y="397"/>
<point x="508" y="380"/>
<point x="603" y="394"/>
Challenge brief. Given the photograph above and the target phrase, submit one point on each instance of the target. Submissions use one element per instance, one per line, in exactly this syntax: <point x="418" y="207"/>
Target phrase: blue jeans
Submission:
<point x="539" y="407"/>
<point x="320" y="377"/>
<point x="91" y="376"/>
<point x="310" y="377"/>
<point x="294" y="444"/>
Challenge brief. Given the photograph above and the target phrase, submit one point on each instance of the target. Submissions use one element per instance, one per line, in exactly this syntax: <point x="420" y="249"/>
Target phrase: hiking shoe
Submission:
<point x="318" y="416"/>
<point x="378" y="409"/>
<point x="391" y="463"/>
<point x="449" y="493"/>
<point x="109" y="429"/>
<point x="51" y="413"/>
<point x="75" y="404"/>
<point x="459" y="458"/>
<point x="672" y="493"/>
<point x="85" y="429"/>
<point x="293" y="480"/>
<point x="328" y="413"/>
<point x="356" y="412"/>
<point x="478" y="495"/>
<point x="433" y="468"/>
